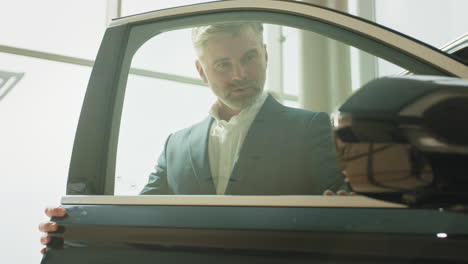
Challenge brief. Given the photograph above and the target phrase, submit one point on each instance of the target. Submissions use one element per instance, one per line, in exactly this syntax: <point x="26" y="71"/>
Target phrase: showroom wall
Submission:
<point x="51" y="44"/>
<point x="435" y="22"/>
<point x="38" y="115"/>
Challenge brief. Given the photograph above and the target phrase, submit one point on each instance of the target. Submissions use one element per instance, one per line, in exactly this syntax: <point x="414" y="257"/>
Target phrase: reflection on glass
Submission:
<point x="232" y="138"/>
<point x="384" y="167"/>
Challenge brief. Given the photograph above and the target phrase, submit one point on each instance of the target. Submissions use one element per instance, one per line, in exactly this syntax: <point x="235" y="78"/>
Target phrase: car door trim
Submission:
<point x="354" y="201"/>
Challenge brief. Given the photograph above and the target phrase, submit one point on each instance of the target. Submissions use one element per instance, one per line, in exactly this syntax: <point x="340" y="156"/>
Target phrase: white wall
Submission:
<point x="435" y="22"/>
<point x="38" y="117"/>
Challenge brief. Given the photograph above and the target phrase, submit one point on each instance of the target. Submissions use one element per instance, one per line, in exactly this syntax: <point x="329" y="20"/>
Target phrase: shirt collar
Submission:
<point x="248" y="112"/>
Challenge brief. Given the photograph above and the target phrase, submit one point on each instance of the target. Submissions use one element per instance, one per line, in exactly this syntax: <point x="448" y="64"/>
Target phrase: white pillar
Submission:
<point x="326" y="67"/>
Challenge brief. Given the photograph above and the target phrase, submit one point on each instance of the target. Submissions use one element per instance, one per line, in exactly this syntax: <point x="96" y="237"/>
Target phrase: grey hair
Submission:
<point x="201" y="34"/>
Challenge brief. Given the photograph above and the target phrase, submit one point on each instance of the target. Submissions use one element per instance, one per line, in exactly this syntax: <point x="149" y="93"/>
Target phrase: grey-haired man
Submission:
<point x="250" y="144"/>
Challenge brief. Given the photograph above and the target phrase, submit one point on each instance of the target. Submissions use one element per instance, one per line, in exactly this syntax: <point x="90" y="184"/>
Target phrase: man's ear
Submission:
<point x="200" y="70"/>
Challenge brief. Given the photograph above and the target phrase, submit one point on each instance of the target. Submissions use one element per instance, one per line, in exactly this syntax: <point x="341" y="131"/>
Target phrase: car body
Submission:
<point x="102" y="227"/>
<point x="457" y="48"/>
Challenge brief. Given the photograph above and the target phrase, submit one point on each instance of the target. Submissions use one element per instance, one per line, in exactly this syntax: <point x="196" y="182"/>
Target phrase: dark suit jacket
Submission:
<point x="286" y="151"/>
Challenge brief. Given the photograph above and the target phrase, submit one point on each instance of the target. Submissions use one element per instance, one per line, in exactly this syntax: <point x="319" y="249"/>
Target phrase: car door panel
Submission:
<point x="152" y="233"/>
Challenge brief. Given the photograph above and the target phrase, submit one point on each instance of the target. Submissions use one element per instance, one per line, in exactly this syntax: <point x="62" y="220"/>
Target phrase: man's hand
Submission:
<point x="50" y="226"/>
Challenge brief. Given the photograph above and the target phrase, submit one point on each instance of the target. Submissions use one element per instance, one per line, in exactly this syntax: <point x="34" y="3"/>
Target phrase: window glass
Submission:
<point x="291" y="44"/>
<point x="158" y="135"/>
<point x="409" y="18"/>
<point x="168" y="53"/>
<point x="291" y="103"/>
<point x="153" y="109"/>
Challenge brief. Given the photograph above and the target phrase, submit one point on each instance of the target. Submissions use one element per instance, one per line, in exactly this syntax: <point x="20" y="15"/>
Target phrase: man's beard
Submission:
<point x="252" y="90"/>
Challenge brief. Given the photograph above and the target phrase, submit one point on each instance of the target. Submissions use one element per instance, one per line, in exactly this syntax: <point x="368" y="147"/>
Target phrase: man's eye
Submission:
<point x="223" y="66"/>
<point x="250" y="57"/>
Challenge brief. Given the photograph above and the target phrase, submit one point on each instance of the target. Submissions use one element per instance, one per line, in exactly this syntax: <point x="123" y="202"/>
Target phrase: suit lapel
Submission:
<point x="198" y="145"/>
<point x="262" y="132"/>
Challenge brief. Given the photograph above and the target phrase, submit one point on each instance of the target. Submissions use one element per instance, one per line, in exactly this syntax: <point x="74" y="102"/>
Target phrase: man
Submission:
<point x="250" y="144"/>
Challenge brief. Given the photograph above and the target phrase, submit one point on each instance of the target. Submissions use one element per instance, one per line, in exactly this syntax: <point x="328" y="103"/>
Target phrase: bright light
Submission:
<point x="441" y="235"/>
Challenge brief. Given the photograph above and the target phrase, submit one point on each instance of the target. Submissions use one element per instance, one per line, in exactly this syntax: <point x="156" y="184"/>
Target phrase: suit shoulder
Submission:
<point x="185" y="132"/>
<point x="307" y="114"/>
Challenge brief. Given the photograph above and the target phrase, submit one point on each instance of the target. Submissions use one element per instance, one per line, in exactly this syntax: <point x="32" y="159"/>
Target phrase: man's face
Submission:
<point x="235" y="67"/>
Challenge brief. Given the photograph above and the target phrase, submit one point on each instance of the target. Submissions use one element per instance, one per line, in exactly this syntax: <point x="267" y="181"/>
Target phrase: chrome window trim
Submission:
<point x="353" y="201"/>
<point x="457" y="44"/>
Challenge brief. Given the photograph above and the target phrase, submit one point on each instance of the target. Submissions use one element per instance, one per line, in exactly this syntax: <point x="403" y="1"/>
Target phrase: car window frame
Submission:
<point x="91" y="181"/>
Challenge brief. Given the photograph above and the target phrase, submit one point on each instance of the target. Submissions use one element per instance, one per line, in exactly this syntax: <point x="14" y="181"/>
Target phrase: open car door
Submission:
<point x="139" y="84"/>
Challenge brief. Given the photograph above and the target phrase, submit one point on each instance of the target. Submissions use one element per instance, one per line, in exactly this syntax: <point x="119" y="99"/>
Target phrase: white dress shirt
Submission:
<point x="225" y="141"/>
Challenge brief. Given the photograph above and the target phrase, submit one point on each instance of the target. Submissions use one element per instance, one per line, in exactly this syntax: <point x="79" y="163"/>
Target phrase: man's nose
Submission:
<point x="238" y="72"/>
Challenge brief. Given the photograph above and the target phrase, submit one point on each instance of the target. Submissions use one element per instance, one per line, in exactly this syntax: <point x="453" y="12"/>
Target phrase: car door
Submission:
<point x="140" y="91"/>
